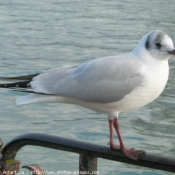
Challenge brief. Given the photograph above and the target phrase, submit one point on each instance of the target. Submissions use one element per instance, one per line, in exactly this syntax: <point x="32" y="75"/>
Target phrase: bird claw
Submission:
<point x="132" y="153"/>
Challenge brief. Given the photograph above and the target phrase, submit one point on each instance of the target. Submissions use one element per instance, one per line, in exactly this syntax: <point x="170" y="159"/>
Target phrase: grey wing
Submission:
<point x="102" y="80"/>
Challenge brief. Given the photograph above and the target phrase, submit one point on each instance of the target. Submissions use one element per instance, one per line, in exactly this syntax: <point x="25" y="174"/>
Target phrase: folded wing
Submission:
<point x="102" y="80"/>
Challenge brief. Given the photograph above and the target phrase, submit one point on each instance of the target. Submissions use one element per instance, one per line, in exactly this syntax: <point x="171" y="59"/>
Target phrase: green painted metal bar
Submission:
<point x="93" y="150"/>
<point x="1" y="143"/>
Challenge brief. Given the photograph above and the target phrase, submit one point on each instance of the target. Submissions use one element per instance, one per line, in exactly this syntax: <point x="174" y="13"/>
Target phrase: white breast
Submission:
<point x="156" y="76"/>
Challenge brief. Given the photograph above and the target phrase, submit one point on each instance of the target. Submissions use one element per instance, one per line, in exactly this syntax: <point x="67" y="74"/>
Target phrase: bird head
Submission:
<point x="157" y="44"/>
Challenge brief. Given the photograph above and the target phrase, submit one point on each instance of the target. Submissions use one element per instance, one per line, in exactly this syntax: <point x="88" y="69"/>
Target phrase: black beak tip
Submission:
<point x="172" y="52"/>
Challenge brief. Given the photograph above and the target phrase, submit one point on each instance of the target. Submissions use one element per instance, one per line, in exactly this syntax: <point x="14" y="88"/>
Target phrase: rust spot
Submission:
<point x="35" y="169"/>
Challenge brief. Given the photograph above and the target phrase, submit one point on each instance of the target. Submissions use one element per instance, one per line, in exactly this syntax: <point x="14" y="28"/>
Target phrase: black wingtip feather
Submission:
<point x="23" y="84"/>
<point x="19" y="78"/>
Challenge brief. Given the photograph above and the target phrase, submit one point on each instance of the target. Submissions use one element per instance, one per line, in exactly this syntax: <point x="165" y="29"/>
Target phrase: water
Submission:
<point x="39" y="35"/>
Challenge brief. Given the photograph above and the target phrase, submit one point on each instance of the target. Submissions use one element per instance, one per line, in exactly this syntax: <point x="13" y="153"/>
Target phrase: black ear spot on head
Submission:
<point x="147" y="44"/>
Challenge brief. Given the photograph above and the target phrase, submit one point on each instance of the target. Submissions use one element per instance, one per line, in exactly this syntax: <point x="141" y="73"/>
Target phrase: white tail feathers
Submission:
<point x="39" y="98"/>
<point x="35" y="98"/>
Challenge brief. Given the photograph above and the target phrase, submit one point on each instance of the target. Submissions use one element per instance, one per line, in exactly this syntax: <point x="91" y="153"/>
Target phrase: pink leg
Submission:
<point x="112" y="144"/>
<point x="131" y="153"/>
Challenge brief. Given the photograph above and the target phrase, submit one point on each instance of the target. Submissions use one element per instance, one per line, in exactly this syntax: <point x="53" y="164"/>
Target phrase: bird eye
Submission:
<point x="158" y="45"/>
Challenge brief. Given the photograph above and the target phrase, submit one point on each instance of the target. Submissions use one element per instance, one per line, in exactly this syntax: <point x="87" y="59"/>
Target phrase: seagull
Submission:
<point x="109" y="85"/>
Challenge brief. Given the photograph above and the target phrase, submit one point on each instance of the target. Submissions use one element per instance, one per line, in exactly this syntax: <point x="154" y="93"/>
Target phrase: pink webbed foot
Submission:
<point x="132" y="153"/>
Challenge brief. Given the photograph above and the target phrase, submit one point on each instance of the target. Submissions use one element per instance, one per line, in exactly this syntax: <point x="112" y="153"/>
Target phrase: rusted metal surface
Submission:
<point x="145" y="160"/>
<point x="1" y="167"/>
<point x="35" y="169"/>
<point x="10" y="167"/>
<point x="87" y="164"/>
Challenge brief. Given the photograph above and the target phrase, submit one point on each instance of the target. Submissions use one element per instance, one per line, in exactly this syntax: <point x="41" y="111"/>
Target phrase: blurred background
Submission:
<point x="44" y="34"/>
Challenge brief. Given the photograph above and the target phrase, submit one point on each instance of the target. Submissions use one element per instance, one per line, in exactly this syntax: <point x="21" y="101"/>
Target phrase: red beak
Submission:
<point x="172" y="52"/>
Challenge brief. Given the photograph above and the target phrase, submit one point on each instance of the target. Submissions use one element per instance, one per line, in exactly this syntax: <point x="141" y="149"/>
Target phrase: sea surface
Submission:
<point x="44" y="34"/>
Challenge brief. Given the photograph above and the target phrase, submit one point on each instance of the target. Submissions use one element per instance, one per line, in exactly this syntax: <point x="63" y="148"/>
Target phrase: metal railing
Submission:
<point x="88" y="152"/>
